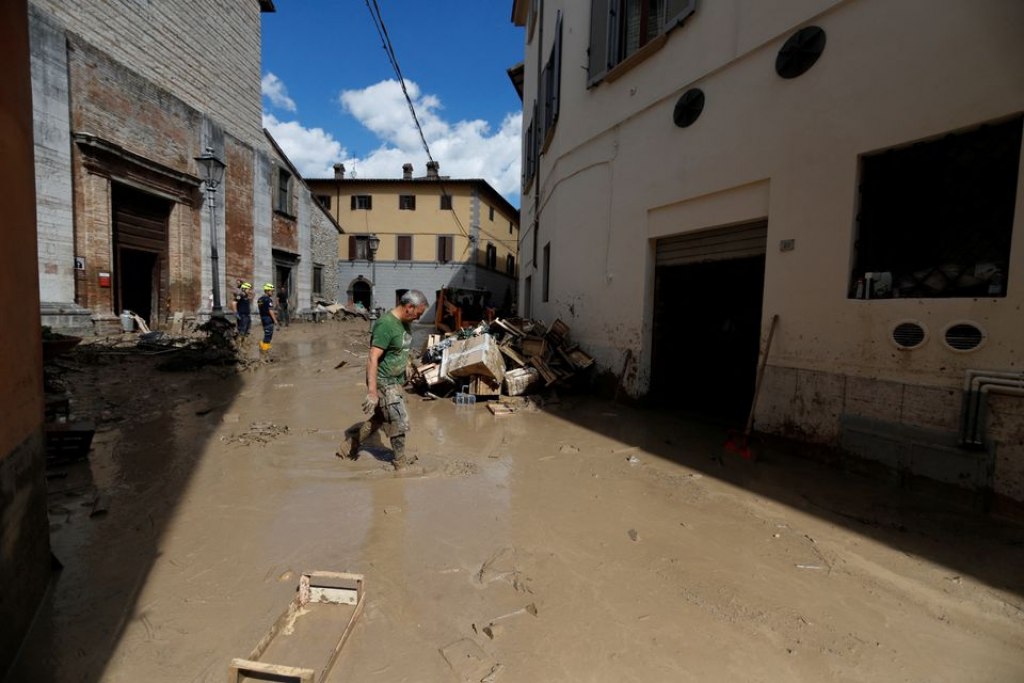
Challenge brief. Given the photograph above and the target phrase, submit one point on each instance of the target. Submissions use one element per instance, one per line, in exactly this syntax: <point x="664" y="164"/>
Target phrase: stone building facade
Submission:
<point x="126" y="96"/>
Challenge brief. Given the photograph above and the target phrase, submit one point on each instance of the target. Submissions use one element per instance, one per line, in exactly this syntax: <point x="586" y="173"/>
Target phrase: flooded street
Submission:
<point x="639" y="557"/>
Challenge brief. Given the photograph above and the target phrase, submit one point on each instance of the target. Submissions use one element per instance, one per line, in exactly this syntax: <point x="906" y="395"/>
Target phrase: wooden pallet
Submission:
<point x="301" y="646"/>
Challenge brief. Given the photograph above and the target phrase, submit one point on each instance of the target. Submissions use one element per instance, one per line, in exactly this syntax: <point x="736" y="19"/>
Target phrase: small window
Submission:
<point x="405" y="247"/>
<point x="446" y="202"/>
<point x="510" y="265"/>
<point x="547" y="272"/>
<point x="445" y="248"/>
<point x="284" y="179"/>
<point x="362" y="202"/>
<point x="318" y="279"/>
<point x="358" y="248"/>
<point x="510" y="227"/>
<point x="324" y="200"/>
<point x="491" y="211"/>
<point x="407" y="202"/>
<point x="491" y="257"/>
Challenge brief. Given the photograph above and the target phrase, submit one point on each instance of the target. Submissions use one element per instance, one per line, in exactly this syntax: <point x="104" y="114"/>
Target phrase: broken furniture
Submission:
<point x="304" y="642"/>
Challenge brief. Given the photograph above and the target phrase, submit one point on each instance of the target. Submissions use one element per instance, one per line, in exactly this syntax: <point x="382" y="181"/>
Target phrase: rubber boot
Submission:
<point x="264" y="348"/>
<point x="402" y="459"/>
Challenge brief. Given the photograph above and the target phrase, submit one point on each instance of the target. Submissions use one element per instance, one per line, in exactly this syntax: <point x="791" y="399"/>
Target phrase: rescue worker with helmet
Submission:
<point x="243" y="308"/>
<point x="265" y="305"/>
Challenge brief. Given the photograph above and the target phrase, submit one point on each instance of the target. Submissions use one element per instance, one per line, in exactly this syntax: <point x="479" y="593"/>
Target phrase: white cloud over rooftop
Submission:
<point x="464" y="149"/>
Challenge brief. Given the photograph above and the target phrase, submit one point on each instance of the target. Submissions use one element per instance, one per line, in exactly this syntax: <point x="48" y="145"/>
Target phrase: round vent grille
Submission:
<point x="800" y="52"/>
<point x="964" y="336"/>
<point x="688" y="107"/>
<point x="908" y="335"/>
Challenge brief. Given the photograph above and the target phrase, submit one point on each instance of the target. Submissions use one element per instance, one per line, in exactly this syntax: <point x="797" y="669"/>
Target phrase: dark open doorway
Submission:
<point x="362" y="293"/>
<point x="707" y="328"/>
<point x="138" y="282"/>
<point x="140" y="250"/>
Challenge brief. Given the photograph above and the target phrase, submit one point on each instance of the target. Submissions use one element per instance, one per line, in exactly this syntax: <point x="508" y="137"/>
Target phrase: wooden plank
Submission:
<point x="285" y="674"/>
<point x="512" y="355"/>
<point x="509" y="327"/>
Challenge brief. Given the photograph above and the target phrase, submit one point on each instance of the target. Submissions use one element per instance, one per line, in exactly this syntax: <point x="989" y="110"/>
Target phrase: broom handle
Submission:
<point x="762" y="362"/>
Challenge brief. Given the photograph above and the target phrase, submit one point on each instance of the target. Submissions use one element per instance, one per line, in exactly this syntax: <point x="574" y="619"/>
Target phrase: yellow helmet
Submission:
<point x="246" y="285"/>
<point x="267" y="287"/>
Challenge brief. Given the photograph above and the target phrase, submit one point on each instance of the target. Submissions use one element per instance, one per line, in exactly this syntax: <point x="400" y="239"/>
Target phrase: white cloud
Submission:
<point x="273" y="88"/>
<point x="313" y="150"/>
<point x="465" y="149"/>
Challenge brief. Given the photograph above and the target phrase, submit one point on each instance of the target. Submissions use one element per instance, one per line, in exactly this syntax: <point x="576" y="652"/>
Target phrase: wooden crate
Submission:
<point x="302" y="642"/>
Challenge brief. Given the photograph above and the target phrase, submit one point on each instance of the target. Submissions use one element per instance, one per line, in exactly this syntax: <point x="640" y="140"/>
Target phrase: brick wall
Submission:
<point x="238" y="213"/>
<point x="206" y="53"/>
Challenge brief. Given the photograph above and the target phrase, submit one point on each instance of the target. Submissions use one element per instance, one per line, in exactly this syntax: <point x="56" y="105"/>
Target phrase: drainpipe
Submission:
<point x="977" y="385"/>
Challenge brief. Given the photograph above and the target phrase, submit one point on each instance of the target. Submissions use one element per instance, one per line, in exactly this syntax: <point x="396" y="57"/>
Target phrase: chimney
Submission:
<point x="406" y="171"/>
<point x="432" y="169"/>
<point x="339" y="171"/>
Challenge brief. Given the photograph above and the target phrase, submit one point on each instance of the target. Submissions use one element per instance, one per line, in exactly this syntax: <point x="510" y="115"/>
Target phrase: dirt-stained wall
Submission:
<point x="619" y="175"/>
<point x="24" y="528"/>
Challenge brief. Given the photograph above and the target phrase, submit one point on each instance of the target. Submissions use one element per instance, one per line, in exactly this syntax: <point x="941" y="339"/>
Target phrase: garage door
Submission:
<point x="740" y="241"/>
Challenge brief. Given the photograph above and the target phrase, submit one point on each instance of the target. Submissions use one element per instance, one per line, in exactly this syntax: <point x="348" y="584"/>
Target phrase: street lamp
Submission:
<point x="373" y="242"/>
<point x="213" y="174"/>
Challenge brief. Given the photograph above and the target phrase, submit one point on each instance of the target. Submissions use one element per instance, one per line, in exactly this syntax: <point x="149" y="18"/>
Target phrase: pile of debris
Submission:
<point x="510" y="357"/>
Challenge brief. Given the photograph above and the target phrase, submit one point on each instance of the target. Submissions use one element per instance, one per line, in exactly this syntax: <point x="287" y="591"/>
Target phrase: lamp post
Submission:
<point x="213" y="174"/>
<point x="374" y="244"/>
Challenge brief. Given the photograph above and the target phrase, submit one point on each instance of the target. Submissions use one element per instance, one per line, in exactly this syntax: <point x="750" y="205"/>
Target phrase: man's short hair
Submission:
<point x="414" y="297"/>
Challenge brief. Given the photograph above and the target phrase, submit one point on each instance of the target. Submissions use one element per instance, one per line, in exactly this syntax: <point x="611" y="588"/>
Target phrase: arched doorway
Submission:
<point x="362" y="292"/>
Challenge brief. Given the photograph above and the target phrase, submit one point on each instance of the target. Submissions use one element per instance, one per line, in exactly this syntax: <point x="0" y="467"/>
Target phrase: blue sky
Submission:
<point x="330" y="95"/>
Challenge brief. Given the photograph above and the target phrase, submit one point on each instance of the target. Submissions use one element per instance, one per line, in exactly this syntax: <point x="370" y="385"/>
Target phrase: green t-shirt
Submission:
<point x="395" y="338"/>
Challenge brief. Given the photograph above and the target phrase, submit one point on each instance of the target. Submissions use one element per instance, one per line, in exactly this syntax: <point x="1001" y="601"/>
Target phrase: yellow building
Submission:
<point x="430" y="232"/>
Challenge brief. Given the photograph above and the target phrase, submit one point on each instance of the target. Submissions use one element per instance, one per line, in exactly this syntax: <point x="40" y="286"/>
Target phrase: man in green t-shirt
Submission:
<point x="385" y="374"/>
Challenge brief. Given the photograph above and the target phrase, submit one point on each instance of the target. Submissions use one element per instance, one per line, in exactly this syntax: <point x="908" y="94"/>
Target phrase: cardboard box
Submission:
<point x="474" y="356"/>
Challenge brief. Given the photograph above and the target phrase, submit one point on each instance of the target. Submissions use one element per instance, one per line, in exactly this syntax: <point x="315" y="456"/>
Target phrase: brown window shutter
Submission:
<point x="352" y="244"/>
<point x="353" y="204"/>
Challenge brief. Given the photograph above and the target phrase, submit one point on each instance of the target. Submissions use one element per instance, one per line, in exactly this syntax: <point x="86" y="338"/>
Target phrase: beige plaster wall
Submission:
<point x="620" y="174"/>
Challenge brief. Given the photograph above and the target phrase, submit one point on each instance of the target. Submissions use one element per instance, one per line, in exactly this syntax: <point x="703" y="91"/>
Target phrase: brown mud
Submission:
<point x="587" y="541"/>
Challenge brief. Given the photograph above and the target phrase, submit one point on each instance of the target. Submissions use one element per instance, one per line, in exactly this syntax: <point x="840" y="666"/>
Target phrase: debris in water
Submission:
<point x="633" y="535"/>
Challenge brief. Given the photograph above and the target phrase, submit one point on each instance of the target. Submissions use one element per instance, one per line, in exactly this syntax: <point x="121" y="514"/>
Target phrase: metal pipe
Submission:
<point x="975" y="382"/>
<point x="982" y="403"/>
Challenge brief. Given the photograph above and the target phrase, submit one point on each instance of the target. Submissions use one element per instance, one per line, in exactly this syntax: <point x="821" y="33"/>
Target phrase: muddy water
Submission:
<point x="639" y="557"/>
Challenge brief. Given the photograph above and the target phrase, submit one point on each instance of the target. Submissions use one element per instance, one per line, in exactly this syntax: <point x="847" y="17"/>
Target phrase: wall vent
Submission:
<point x="688" y="107"/>
<point x="909" y="335"/>
<point x="964" y="336"/>
<point x="800" y="52"/>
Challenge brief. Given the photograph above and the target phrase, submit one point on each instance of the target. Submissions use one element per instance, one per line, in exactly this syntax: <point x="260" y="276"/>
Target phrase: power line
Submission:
<point x="389" y="50"/>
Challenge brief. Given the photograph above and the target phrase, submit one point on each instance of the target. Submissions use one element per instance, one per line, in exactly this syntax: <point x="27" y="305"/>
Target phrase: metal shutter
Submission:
<point x="741" y="241"/>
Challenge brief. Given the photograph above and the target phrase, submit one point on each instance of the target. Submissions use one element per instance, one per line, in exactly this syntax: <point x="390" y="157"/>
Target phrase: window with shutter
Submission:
<point x="620" y="28"/>
<point x="445" y="248"/>
<point x="446" y="202"/>
<point x="407" y="202"/>
<point x="362" y="202"/>
<point x="405" y="247"/>
<point x="358" y="248"/>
